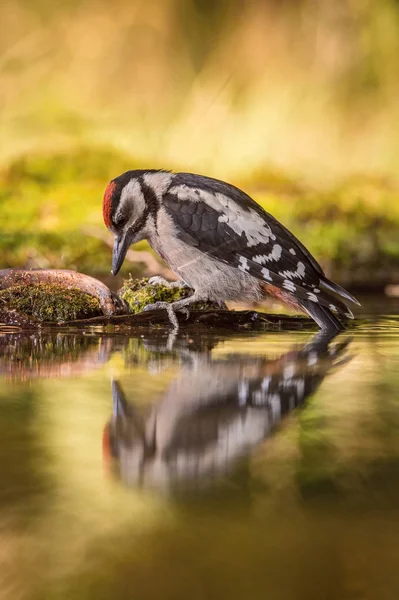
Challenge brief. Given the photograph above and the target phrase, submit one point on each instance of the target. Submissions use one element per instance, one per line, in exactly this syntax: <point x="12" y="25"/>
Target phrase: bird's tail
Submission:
<point x="330" y="313"/>
<point x="337" y="289"/>
<point x="324" y="316"/>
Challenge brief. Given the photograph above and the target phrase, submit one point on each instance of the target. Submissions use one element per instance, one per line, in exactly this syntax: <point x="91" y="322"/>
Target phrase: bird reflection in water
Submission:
<point x="215" y="412"/>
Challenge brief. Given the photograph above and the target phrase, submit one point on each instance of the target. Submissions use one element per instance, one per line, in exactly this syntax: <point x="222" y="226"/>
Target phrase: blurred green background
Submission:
<point x="296" y="101"/>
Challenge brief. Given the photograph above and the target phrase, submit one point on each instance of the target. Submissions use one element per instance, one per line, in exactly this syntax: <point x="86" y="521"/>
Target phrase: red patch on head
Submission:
<point x="107" y="203"/>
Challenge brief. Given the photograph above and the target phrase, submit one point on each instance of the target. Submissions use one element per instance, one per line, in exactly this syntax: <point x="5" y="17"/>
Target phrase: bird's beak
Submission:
<point x="118" y="401"/>
<point x="121" y="246"/>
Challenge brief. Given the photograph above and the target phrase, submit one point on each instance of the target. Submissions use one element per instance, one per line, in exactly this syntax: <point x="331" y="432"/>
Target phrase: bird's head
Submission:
<point x="125" y="214"/>
<point x="130" y="205"/>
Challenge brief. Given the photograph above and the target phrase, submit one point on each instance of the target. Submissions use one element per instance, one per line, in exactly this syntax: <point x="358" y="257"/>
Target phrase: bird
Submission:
<point x="220" y="243"/>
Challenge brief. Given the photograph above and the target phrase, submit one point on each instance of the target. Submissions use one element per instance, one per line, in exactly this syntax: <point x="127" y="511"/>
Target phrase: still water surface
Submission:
<point x="212" y="466"/>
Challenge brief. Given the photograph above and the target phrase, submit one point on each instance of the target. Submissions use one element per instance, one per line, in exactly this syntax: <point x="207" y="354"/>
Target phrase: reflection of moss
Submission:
<point x="27" y="486"/>
<point x="50" y="302"/>
<point x="319" y="466"/>
<point x="138" y="293"/>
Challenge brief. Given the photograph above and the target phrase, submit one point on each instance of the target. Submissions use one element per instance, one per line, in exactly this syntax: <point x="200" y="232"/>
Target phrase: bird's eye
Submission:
<point x="120" y="220"/>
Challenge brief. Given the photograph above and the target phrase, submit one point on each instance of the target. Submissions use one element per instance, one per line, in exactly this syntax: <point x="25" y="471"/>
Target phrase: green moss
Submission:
<point x="50" y="302"/>
<point x="138" y="293"/>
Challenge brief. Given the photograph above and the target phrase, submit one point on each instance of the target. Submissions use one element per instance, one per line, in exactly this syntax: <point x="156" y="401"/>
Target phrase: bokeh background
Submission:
<point x="294" y="100"/>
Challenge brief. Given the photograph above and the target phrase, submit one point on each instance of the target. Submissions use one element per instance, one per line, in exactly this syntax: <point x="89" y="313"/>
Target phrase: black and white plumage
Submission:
<point x="220" y="242"/>
<point x="215" y="411"/>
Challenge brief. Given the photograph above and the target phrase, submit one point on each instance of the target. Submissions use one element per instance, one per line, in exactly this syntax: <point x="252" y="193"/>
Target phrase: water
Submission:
<point x="211" y="466"/>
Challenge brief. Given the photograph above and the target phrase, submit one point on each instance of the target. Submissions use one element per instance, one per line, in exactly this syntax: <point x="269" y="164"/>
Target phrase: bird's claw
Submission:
<point x="155" y="306"/>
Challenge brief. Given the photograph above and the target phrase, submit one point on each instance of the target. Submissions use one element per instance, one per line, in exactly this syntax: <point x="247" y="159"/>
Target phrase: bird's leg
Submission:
<point x="171" y="339"/>
<point x="172" y="307"/>
<point x="157" y="280"/>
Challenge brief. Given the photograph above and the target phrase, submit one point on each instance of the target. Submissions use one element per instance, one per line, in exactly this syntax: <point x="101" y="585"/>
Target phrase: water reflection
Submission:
<point x="34" y="355"/>
<point x="213" y="413"/>
<point x="309" y="511"/>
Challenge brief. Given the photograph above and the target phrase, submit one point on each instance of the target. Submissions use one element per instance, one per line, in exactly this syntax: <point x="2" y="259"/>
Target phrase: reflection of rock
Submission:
<point x="30" y="355"/>
<point x="214" y="412"/>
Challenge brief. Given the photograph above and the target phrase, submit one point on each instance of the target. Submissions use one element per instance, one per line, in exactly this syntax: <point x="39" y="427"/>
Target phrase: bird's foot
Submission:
<point x="157" y="280"/>
<point x="155" y="306"/>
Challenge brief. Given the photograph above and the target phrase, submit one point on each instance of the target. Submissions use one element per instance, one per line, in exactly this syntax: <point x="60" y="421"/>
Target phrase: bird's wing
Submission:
<point x="235" y="199"/>
<point x="224" y="223"/>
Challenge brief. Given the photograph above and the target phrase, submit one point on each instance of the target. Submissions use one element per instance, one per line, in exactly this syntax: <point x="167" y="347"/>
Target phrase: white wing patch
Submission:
<point x="312" y="297"/>
<point x="249" y="222"/>
<point x="289" y="285"/>
<point x="300" y="272"/>
<point x="266" y="274"/>
<point x="243" y="266"/>
<point x="275" y="255"/>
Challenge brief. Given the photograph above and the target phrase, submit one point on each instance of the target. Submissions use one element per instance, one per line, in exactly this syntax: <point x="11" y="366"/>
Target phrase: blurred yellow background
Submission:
<point x="294" y="100"/>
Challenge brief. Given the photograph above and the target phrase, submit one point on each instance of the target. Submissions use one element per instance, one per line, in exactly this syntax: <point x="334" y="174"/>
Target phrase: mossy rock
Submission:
<point x="138" y="293"/>
<point x="50" y="302"/>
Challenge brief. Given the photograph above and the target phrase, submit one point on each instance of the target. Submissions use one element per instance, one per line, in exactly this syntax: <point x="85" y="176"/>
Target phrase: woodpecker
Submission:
<point x="220" y="243"/>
